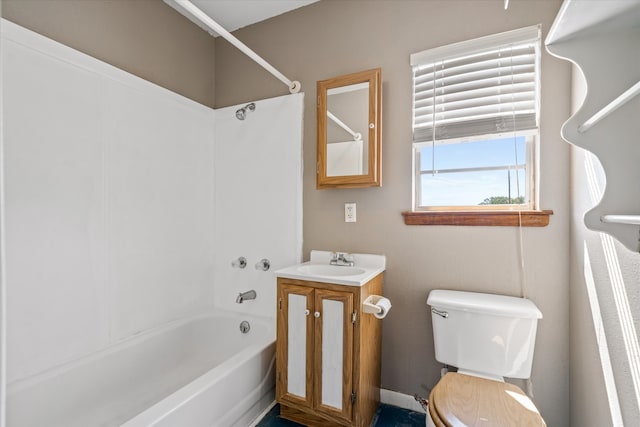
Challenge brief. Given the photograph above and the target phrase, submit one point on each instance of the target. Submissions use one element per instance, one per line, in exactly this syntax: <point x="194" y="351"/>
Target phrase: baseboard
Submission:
<point x="263" y="414"/>
<point x="400" y="400"/>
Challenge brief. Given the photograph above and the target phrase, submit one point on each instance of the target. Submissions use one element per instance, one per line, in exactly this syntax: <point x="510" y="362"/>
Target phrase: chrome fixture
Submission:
<point x="242" y="296"/>
<point x="440" y="313"/>
<point x="245" y="327"/>
<point x="242" y="112"/>
<point x="263" y="264"/>
<point x="422" y="401"/>
<point x="342" y="259"/>
<point x="239" y="263"/>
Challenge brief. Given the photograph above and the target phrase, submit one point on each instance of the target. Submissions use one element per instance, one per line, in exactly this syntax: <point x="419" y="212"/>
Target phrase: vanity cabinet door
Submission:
<point x="295" y="356"/>
<point x="333" y="353"/>
<point x="315" y="351"/>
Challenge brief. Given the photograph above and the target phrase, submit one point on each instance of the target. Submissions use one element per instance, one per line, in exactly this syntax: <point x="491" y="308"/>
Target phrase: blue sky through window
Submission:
<point x="470" y="188"/>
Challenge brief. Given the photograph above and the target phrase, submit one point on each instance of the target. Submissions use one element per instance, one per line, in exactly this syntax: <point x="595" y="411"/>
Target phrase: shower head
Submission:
<point x="242" y="112"/>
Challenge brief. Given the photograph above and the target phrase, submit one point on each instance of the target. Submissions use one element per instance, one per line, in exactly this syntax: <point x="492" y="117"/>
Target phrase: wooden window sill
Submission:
<point x="486" y="218"/>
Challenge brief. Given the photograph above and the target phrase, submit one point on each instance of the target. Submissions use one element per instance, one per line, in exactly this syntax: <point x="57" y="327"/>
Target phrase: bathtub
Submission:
<point x="201" y="371"/>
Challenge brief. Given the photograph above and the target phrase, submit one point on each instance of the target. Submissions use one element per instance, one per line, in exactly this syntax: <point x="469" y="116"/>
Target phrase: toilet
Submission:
<point x="487" y="337"/>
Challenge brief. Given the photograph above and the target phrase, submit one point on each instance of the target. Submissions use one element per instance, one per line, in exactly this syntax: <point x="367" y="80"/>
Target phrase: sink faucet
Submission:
<point x="242" y="296"/>
<point x="342" y="259"/>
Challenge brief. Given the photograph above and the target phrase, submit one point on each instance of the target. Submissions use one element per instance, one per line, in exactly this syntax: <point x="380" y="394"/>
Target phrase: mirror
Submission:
<point x="349" y="131"/>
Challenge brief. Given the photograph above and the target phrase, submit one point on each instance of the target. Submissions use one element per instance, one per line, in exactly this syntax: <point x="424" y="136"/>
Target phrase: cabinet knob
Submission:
<point x="316" y="314"/>
<point x="306" y="312"/>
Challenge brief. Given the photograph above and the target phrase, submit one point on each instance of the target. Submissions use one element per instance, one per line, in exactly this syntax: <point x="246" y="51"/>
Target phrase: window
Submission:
<point x="475" y="124"/>
<point x="491" y="173"/>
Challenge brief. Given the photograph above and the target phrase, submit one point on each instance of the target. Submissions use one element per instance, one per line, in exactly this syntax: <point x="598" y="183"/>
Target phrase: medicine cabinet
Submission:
<point x="349" y="131"/>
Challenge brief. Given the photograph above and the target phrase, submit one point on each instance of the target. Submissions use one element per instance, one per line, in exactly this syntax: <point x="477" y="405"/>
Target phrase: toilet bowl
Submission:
<point x="487" y="337"/>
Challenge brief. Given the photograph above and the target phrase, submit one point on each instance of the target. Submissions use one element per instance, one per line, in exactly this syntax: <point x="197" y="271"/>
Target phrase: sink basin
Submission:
<point x="330" y="270"/>
<point x="320" y="269"/>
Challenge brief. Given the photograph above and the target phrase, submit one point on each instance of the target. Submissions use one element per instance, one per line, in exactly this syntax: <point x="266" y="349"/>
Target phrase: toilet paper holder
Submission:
<point x="370" y="305"/>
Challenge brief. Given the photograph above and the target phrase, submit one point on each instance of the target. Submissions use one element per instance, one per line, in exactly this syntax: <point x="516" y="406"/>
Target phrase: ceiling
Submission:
<point x="235" y="14"/>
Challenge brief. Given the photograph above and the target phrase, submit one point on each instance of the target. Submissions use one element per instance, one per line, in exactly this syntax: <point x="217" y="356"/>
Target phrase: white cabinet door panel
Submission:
<point x="297" y="339"/>
<point x="332" y="349"/>
<point x="334" y="353"/>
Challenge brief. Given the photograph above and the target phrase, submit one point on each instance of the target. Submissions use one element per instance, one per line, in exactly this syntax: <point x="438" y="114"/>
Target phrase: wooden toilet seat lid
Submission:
<point x="461" y="400"/>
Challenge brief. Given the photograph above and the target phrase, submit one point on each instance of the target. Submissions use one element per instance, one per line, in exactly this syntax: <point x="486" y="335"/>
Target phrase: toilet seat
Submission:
<point x="464" y="400"/>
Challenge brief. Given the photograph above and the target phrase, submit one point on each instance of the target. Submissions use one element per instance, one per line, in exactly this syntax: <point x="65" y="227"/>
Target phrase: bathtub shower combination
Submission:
<point x="122" y="301"/>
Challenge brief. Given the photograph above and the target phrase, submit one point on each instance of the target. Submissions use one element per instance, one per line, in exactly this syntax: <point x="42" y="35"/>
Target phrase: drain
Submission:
<point x="244" y="327"/>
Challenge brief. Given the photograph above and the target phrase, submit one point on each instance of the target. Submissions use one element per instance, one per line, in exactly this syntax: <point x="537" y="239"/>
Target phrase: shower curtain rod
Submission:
<point x="294" y="86"/>
<point x="357" y="136"/>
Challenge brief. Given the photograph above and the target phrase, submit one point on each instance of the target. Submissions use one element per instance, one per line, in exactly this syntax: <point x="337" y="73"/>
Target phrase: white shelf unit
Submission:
<point x="602" y="38"/>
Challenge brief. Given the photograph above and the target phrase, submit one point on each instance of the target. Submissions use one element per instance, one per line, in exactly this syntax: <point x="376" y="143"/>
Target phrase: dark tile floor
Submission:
<point x="386" y="416"/>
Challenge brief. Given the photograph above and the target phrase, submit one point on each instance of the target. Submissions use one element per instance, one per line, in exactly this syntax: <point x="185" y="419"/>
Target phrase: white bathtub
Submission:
<point x="196" y="372"/>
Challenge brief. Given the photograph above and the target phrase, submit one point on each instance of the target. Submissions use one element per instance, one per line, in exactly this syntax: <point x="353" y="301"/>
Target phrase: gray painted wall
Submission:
<point x="331" y="38"/>
<point x="144" y="37"/>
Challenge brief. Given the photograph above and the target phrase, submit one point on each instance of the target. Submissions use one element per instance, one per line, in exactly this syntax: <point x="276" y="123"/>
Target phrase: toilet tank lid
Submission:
<point x="500" y="305"/>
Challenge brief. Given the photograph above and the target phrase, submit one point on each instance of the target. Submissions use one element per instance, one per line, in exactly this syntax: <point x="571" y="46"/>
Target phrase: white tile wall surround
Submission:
<point x="109" y="203"/>
<point x="258" y="198"/>
<point x="126" y="203"/>
<point x="54" y="200"/>
<point x="159" y="193"/>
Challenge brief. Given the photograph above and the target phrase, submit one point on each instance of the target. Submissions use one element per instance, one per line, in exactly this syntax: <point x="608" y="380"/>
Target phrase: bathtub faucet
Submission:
<point x="246" y="296"/>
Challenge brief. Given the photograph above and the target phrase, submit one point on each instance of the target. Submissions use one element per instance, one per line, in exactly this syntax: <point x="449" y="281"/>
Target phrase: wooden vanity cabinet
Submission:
<point x="328" y="353"/>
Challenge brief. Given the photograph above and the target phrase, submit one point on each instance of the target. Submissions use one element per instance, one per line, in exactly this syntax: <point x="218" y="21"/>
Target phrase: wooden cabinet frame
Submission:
<point x="282" y="355"/>
<point x="362" y="337"/>
<point x="346" y="299"/>
<point x="373" y="176"/>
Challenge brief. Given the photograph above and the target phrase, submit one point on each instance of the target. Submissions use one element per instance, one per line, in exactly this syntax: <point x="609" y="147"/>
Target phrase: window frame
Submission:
<point x="528" y="214"/>
<point x="487" y="215"/>
<point x="531" y="193"/>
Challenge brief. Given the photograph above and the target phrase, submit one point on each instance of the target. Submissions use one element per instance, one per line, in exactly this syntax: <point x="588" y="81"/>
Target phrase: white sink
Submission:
<point x="330" y="270"/>
<point x="320" y="269"/>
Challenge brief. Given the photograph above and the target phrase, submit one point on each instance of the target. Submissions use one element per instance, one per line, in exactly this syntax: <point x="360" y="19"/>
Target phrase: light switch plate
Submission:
<point x="349" y="212"/>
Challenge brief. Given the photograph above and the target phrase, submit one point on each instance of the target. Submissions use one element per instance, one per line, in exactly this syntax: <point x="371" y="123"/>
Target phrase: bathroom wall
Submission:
<point x="143" y="37"/>
<point x="108" y="203"/>
<point x="258" y="197"/>
<point x="331" y="38"/>
<point x="605" y="304"/>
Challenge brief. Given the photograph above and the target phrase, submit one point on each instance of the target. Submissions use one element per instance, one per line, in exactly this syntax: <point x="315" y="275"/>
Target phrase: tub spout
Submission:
<point x="242" y="296"/>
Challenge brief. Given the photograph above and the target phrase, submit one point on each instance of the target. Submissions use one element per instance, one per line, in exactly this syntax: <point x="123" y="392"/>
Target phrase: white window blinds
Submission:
<point x="477" y="87"/>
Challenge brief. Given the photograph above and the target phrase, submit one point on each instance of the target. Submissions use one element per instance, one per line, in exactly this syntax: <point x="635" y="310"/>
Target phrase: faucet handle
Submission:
<point x="239" y="262"/>
<point x="336" y="257"/>
<point x="263" y="264"/>
<point x="341" y="258"/>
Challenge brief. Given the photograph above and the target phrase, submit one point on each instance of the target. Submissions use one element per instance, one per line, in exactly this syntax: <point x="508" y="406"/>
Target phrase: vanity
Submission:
<point x="328" y="348"/>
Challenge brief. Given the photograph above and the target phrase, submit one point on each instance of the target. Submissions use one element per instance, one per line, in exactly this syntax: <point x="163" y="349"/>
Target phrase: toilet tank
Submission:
<point x="492" y="335"/>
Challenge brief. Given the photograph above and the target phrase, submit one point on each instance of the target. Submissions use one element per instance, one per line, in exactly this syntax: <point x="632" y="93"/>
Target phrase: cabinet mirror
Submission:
<point x="349" y="131"/>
